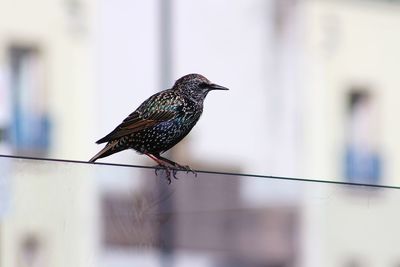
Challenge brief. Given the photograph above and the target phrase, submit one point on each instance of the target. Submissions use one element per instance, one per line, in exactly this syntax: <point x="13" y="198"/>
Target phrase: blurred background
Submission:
<point x="314" y="84"/>
<point x="313" y="93"/>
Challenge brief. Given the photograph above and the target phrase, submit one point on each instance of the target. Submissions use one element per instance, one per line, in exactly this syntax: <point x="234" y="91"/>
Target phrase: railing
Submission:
<point x="69" y="213"/>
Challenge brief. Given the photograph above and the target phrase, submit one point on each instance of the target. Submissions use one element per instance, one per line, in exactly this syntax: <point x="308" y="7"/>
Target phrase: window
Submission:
<point x="362" y="160"/>
<point x="29" y="129"/>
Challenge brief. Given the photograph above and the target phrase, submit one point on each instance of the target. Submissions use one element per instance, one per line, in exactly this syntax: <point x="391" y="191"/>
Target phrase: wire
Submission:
<point x="207" y="172"/>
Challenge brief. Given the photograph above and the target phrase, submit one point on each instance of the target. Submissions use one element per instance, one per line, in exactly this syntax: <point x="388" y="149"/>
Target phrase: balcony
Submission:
<point x="67" y="213"/>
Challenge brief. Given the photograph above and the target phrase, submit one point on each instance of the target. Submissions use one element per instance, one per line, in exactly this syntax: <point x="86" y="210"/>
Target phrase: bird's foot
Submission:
<point x="190" y="170"/>
<point x="185" y="168"/>
<point x="167" y="170"/>
<point x="165" y="163"/>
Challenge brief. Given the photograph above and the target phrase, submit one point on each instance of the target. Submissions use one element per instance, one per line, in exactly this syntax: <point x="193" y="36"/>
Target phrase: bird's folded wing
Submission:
<point x="135" y="122"/>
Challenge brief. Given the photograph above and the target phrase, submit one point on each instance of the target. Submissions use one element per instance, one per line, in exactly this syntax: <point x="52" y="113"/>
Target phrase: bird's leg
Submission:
<point x="163" y="165"/>
<point x="176" y="165"/>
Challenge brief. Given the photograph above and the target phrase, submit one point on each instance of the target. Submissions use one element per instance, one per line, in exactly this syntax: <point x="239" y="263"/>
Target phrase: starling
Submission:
<point x="161" y="122"/>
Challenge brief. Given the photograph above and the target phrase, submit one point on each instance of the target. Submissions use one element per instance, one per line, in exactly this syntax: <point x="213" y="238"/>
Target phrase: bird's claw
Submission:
<point x="160" y="168"/>
<point x="167" y="172"/>
<point x="189" y="170"/>
<point x="174" y="171"/>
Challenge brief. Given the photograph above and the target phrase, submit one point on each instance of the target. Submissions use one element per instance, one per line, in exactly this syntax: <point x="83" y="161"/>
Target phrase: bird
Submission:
<point x="161" y="122"/>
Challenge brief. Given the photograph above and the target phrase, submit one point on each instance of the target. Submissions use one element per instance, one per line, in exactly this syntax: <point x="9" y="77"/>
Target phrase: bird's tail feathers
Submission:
<point x="102" y="140"/>
<point x="106" y="151"/>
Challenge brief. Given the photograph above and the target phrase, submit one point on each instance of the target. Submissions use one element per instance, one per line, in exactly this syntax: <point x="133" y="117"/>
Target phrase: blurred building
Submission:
<point x="46" y="83"/>
<point x="46" y="65"/>
<point x="349" y="125"/>
<point x="313" y="94"/>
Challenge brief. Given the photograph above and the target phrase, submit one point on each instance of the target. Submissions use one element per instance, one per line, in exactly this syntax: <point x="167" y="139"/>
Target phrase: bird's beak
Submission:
<point x="214" y="86"/>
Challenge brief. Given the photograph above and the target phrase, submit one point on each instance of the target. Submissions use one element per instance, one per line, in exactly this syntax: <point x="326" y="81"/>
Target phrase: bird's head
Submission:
<point x="196" y="86"/>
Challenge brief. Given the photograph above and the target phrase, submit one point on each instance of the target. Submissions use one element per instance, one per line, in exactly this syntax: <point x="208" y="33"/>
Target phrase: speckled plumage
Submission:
<point x="161" y="121"/>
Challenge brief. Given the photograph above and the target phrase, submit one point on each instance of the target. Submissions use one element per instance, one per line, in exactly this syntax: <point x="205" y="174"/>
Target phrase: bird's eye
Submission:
<point x="203" y="85"/>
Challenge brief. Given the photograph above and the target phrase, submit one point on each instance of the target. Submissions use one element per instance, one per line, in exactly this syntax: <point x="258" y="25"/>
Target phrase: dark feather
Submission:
<point x="144" y="117"/>
<point x="106" y="151"/>
<point x="134" y="125"/>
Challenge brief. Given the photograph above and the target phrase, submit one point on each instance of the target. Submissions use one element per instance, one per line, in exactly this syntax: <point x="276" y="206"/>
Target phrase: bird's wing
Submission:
<point x="150" y="113"/>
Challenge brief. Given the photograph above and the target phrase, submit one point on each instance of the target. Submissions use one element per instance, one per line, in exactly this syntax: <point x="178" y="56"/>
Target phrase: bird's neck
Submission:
<point x="195" y="99"/>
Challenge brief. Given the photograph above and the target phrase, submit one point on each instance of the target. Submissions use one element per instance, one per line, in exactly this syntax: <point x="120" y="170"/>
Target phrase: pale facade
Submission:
<point x="288" y="113"/>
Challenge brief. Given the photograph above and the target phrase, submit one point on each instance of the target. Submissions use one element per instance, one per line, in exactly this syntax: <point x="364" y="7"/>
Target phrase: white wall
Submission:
<point x="126" y="66"/>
